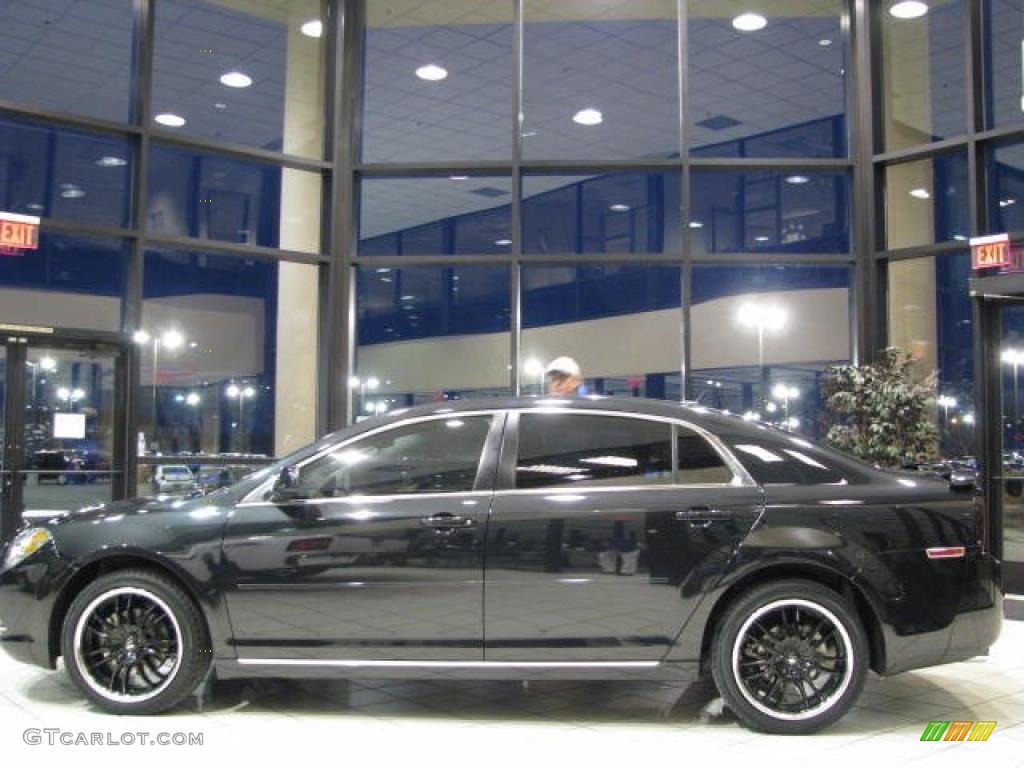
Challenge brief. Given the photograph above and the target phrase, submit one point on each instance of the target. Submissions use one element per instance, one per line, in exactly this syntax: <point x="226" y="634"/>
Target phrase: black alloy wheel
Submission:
<point x="135" y="643"/>
<point x="789" y="657"/>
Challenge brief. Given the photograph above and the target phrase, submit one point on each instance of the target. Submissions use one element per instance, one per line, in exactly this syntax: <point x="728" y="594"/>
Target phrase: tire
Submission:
<point x="778" y="639"/>
<point x="135" y="643"/>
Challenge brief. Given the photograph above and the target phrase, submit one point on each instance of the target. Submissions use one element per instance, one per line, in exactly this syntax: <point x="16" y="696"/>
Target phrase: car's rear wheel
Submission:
<point x="135" y="643"/>
<point x="789" y="657"/>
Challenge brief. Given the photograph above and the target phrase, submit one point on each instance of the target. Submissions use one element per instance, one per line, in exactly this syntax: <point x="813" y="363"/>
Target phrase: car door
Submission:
<point x="603" y="531"/>
<point x="381" y="558"/>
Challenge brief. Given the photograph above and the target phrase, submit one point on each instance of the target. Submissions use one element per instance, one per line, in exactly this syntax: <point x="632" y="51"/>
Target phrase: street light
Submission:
<point x="1015" y="357"/>
<point x="762" y="317"/>
<point x="785" y="394"/>
<point x="946" y="402"/>
<point x="242" y="394"/>
<point x="171" y="339"/>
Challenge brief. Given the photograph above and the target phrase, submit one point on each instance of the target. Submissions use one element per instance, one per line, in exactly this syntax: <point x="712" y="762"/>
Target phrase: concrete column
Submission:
<point x="298" y="293"/>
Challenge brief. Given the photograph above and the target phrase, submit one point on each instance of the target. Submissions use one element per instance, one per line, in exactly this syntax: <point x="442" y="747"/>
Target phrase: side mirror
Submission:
<point x="286" y="487"/>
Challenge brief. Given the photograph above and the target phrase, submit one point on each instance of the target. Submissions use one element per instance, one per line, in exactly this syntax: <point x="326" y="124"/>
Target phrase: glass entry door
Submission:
<point x="62" y="447"/>
<point x="1011" y="471"/>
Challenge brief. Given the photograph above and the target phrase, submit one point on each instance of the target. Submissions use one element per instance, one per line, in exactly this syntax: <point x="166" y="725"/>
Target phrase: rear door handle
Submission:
<point x="446" y="520"/>
<point x="701" y="517"/>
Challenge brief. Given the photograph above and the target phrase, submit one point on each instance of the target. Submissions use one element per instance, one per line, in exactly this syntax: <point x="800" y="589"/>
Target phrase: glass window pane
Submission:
<point x="926" y="201"/>
<point x="199" y="194"/>
<point x="775" y="91"/>
<point x="578" y="450"/>
<point x="430" y="333"/>
<point x="244" y="71"/>
<point x="791" y="211"/>
<point x="923" y="74"/>
<point x="229" y="365"/>
<point x="64" y="174"/>
<point x="763" y="337"/>
<point x="930" y="317"/>
<point x="600" y="80"/>
<point x="69" y="282"/>
<point x="1006" y="188"/>
<point x="68" y="55"/>
<point x="609" y="213"/>
<point x="606" y="317"/>
<point x="698" y="462"/>
<point x="1004" y="62"/>
<point x="430" y="216"/>
<point x="438" y="81"/>
<point x="439" y="456"/>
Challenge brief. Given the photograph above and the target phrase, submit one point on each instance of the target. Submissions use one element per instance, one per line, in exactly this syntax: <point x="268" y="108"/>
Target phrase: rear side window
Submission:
<point x="699" y="463"/>
<point x="580" y="450"/>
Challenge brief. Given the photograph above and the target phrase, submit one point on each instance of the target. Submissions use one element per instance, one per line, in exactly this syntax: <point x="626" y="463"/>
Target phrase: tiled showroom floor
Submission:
<point x="591" y="725"/>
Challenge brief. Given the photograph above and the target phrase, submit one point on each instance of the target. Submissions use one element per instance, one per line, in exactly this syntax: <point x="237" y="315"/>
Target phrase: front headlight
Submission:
<point x="26" y="543"/>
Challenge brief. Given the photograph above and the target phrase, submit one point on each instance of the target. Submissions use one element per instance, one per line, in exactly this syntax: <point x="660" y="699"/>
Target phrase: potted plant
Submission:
<point x="879" y="413"/>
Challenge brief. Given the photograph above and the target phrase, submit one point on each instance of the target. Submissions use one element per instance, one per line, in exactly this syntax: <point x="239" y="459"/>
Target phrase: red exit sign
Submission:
<point x="19" y="232"/>
<point x="991" y="252"/>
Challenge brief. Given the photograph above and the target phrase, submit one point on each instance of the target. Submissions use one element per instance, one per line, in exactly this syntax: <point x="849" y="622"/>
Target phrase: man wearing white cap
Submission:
<point x="564" y="377"/>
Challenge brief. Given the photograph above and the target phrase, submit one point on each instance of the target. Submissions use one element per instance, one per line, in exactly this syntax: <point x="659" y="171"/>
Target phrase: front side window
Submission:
<point x="583" y="450"/>
<point x="437" y="456"/>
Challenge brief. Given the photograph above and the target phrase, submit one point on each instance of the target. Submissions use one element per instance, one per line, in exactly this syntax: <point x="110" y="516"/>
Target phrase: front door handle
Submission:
<point x="447" y="520"/>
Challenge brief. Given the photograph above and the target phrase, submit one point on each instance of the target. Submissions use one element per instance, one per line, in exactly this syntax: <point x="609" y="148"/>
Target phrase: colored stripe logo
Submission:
<point x="958" y="730"/>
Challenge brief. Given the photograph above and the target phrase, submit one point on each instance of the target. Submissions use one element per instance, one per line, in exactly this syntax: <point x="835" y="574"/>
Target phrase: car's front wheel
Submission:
<point x="789" y="657"/>
<point x="135" y="643"/>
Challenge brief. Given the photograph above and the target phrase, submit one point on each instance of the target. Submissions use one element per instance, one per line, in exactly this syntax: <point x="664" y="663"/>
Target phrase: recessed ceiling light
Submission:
<point x="908" y="9"/>
<point x="220" y="106"/>
<point x="959" y="237"/>
<point x="503" y="241"/>
<point x="1007" y="202"/>
<point x="34" y="207"/>
<point x="618" y="207"/>
<point x="111" y="161"/>
<point x="431" y="72"/>
<point x="72" y="192"/>
<point x="761" y="239"/>
<point x="170" y="119"/>
<point x="235" y="80"/>
<point x="312" y="28"/>
<point x="696" y="224"/>
<point x="797" y="179"/>
<point x="749" y="22"/>
<point x="824" y="42"/>
<point x="408" y="297"/>
<point x="920" y="193"/>
<point x="588" y="117"/>
<point x="458" y="178"/>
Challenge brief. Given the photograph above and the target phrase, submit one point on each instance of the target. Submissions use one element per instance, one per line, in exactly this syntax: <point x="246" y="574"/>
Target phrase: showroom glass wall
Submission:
<point x="653" y="188"/>
<point x="409" y="202"/>
<point x="175" y="151"/>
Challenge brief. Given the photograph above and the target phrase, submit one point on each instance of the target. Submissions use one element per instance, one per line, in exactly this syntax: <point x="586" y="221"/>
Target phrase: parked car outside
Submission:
<point x="172" y="479"/>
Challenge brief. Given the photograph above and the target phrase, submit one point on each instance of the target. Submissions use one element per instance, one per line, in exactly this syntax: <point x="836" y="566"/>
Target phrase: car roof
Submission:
<point x="712" y="419"/>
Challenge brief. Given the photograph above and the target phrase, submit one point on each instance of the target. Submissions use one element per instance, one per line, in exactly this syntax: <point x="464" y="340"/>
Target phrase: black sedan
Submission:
<point x="583" y="538"/>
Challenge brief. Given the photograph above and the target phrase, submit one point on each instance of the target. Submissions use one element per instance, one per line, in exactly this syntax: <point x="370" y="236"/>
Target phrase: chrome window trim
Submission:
<point x="741" y="478"/>
<point x="251" y="497"/>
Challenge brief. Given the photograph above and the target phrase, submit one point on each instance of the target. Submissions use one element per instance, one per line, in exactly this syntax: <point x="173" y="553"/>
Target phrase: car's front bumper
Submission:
<point x="28" y="595"/>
